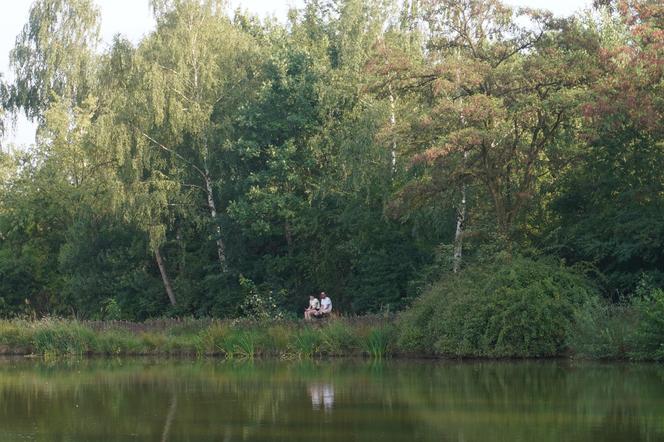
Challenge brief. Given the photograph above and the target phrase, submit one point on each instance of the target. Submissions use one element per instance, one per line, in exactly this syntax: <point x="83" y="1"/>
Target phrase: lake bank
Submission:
<point x="366" y="336"/>
<point x="369" y="336"/>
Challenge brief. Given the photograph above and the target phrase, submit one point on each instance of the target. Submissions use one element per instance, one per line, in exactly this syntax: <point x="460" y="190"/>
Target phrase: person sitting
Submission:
<point x="325" y="306"/>
<point x="314" y="306"/>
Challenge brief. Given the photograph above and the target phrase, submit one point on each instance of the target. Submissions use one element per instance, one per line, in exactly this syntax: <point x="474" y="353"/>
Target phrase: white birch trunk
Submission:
<point x="393" y="123"/>
<point x="461" y="211"/>
<point x="221" y="249"/>
<point x="164" y="276"/>
<point x="458" y="234"/>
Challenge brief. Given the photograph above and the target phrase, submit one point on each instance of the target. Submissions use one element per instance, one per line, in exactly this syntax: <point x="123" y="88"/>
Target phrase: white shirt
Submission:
<point x="313" y="303"/>
<point x="326" y="304"/>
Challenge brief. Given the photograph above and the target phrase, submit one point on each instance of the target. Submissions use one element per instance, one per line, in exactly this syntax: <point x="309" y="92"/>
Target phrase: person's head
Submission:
<point x="311" y="297"/>
<point x="323" y="295"/>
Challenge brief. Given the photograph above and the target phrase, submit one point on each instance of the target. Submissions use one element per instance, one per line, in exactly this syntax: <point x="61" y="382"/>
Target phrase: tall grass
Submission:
<point x="306" y="342"/>
<point x="627" y="332"/>
<point x="229" y="339"/>
<point x="378" y="341"/>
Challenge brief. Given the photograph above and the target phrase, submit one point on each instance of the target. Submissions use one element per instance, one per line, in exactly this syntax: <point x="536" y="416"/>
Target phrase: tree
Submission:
<point x="53" y="56"/>
<point x="195" y="80"/>
<point x="608" y="207"/>
<point x="496" y="98"/>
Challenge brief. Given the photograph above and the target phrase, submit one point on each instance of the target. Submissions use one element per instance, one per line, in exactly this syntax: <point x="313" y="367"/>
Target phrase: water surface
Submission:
<point x="161" y="400"/>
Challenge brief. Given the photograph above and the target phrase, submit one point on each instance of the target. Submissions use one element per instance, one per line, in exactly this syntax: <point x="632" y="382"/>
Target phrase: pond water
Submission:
<point x="162" y="400"/>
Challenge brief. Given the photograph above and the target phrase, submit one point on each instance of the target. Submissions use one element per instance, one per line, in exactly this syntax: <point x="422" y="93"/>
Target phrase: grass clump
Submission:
<point x="378" y="341"/>
<point x="306" y="342"/>
<point x="116" y="342"/>
<point x="339" y="338"/>
<point x="232" y="342"/>
<point x="60" y="338"/>
<point x="15" y="337"/>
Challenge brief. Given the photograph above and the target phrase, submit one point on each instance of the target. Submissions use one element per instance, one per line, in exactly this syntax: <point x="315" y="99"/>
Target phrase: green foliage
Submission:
<point x="649" y="331"/>
<point x="307" y="342"/>
<point x="378" y="341"/>
<point x="259" y="306"/>
<point x="111" y="310"/>
<point x="59" y="338"/>
<point x="229" y="167"/>
<point x="338" y="338"/>
<point x="517" y="307"/>
<point x="603" y="331"/>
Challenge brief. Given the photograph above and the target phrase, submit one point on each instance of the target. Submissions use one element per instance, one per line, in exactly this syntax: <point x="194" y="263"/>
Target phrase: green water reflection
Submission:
<point x="148" y="400"/>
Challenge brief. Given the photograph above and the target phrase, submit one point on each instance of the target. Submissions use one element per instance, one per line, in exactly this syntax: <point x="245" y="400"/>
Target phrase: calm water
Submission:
<point x="346" y="401"/>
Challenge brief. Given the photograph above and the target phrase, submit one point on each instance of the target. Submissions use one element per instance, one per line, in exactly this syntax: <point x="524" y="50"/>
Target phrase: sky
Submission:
<point x="133" y="19"/>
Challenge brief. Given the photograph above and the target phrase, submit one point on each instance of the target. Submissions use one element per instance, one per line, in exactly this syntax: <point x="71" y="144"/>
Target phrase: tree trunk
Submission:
<point x="461" y="212"/>
<point x="458" y="234"/>
<point x="164" y="276"/>
<point x="221" y="249"/>
<point x="393" y="123"/>
<point x="289" y="237"/>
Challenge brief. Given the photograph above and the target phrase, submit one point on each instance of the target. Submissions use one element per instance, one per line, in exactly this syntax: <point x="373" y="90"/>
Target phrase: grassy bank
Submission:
<point x="370" y="336"/>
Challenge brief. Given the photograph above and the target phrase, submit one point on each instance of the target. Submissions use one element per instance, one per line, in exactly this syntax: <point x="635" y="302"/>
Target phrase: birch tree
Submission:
<point x="197" y="68"/>
<point x="54" y="55"/>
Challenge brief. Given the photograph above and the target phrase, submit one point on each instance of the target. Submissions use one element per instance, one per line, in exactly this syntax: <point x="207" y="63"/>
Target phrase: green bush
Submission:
<point x="603" y="331"/>
<point x="648" y="341"/>
<point x="516" y="307"/>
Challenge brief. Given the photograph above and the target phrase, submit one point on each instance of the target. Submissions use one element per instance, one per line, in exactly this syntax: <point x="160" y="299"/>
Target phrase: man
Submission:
<point x="325" y="306"/>
<point x="314" y="305"/>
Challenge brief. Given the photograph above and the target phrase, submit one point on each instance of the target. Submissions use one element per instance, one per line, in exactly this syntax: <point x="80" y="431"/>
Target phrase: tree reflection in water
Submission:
<point x="169" y="418"/>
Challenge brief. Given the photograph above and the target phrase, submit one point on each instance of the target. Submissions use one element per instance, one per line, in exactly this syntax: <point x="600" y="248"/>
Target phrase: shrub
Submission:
<point x="262" y="306"/>
<point x="648" y="341"/>
<point x="603" y="331"/>
<point x="517" y="307"/>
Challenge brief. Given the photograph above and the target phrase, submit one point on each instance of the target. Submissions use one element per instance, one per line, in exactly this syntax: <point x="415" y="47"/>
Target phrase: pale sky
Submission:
<point x="133" y="19"/>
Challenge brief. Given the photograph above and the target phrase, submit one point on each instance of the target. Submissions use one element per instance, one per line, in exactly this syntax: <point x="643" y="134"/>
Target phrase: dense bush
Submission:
<point x="603" y="331"/>
<point x="632" y="329"/>
<point x="648" y="341"/>
<point x="516" y="307"/>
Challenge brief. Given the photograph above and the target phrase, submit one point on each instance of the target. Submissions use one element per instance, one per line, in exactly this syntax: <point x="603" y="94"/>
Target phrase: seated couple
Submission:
<point x="318" y="309"/>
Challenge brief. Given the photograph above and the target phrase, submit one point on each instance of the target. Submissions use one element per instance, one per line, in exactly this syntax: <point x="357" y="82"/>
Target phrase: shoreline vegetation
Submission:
<point x="604" y="334"/>
<point x="508" y="308"/>
<point x="372" y="336"/>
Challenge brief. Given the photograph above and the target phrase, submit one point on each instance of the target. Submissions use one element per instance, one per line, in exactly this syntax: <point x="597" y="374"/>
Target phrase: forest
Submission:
<point x="492" y="174"/>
